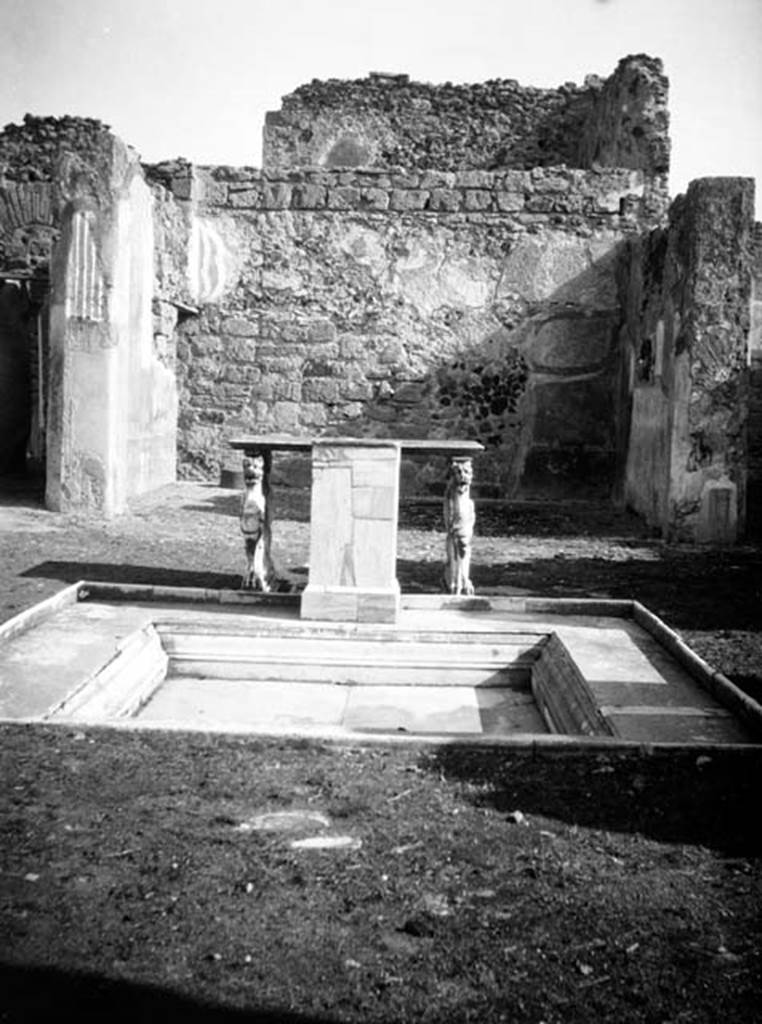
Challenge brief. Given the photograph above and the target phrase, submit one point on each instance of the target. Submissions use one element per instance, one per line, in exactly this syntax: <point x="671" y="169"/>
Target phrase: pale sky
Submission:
<point x="194" y="78"/>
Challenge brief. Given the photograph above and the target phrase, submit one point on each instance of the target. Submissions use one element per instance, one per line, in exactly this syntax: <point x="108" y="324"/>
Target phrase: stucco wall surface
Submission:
<point x="479" y="305"/>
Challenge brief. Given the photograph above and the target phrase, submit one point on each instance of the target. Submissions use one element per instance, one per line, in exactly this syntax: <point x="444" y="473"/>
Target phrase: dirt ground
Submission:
<point x="138" y="882"/>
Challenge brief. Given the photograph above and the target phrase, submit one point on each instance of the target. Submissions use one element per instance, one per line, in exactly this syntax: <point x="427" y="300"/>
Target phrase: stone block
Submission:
<point x="276" y="195"/>
<point x="314" y="415"/>
<point x="214" y="193"/>
<point x="344" y="198"/>
<point x="608" y="202"/>
<point x="550" y="182"/>
<point x="351" y="410"/>
<point x="309" y="197"/>
<point x="540" y="204"/>
<point x="329" y="604"/>
<point x="242" y="350"/>
<point x="405" y="181"/>
<point x="371" y="472"/>
<point x="182" y="187"/>
<point x="331" y="522"/>
<point x="378" y="605"/>
<point x="375" y="198"/>
<point x="509" y="202"/>
<point x="438" y="180"/>
<point x="240" y="327"/>
<point x="321" y="331"/>
<point x="355" y="390"/>
<point x="320" y="389"/>
<point x="375" y="554"/>
<point x="248" y="199"/>
<point x="475" y="179"/>
<point x="288" y="390"/>
<point x="516" y="181"/>
<point x="477" y="199"/>
<point x="408" y="199"/>
<point x="374" y="503"/>
<point x="337" y="604"/>
<point x="352" y="346"/>
<point x="285" y="416"/>
<point x="445" y="200"/>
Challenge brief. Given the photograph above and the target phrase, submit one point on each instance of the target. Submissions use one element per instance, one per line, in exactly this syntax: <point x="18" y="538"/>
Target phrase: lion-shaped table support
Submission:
<point x="255" y="523"/>
<point x="459" y="519"/>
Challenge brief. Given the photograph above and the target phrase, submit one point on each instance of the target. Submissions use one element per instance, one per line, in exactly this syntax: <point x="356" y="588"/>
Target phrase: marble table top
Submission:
<point x="409" y="446"/>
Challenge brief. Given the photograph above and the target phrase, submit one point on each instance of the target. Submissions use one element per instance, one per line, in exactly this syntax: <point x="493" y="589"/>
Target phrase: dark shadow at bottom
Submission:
<point x="33" y="995"/>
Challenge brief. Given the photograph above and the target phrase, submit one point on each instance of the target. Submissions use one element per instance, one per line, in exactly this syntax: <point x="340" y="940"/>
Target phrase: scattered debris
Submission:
<point x="594" y="981"/>
<point x="399" y="796"/>
<point x="436" y="904"/>
<point x="285" y="821"/>
<point x="406" y="847"/>
<point x="326" y="843"/>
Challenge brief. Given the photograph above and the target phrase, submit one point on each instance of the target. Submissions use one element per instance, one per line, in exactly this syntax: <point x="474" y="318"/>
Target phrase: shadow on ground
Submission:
<point x="674" y="797"/>
<point x="36" y="995"/>
<point x="22" y="490"/>
<point x="691" y="589"/>
<point x="145" y="575"/>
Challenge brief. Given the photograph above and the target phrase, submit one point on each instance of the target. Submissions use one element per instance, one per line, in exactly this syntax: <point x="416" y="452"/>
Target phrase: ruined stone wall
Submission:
<point x="425" y="304"/>
<point x="387" y="121"/>
<point x="687" y="301"/>
<point x="628" y="125"/>
<point x="75" y="210"/>
<point x="30" y="168"/>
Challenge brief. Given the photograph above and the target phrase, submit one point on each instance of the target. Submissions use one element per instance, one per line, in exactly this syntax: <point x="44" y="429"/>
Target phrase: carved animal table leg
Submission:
<point x="255" y="522"/>
<point x="459" y="518"/>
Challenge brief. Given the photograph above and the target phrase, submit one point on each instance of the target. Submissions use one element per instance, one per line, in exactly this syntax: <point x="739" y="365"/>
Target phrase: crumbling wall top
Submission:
<point x="29" y="151"/>
<point x="386" y="121"/>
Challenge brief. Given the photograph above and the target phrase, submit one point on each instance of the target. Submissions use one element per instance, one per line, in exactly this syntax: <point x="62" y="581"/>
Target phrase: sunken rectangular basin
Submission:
<point x="502" y="669"/>
<point x="405" y="682"/>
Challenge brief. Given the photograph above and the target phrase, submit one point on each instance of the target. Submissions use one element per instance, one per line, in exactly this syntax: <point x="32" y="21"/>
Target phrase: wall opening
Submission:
<point x="23" y="375"/>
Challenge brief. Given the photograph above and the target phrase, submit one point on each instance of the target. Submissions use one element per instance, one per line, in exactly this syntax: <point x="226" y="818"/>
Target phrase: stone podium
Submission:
<point x="353" y="519"/>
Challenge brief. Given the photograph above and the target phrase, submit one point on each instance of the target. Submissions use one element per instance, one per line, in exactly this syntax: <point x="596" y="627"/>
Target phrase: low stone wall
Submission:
<point x="535" y="195"/>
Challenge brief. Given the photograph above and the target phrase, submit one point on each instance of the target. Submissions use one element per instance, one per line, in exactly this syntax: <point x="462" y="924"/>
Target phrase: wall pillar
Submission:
<point x="112" y="414"/>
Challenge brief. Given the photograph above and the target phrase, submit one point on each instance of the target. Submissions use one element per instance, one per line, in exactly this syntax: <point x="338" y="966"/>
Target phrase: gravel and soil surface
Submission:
<point x="140" y="881"/>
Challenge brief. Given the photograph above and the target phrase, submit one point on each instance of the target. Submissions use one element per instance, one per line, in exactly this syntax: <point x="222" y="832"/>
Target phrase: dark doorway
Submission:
<point x="23" y="385"/>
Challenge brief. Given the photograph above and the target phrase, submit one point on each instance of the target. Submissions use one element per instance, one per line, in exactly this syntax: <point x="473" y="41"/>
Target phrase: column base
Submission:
<point x="350" y="604"/>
